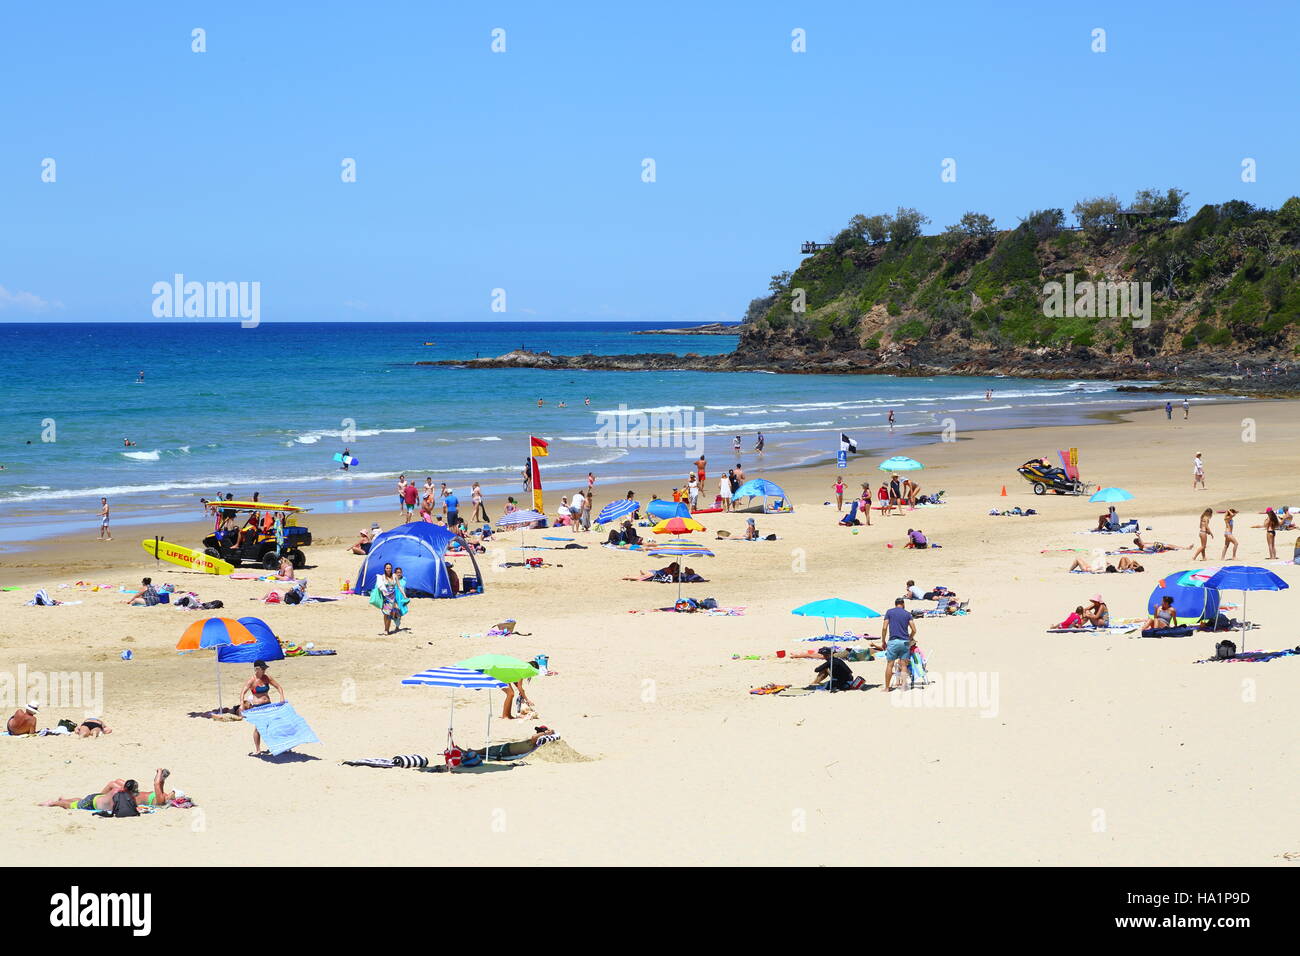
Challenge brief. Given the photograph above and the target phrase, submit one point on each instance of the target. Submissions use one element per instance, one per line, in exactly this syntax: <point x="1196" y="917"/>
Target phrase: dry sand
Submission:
<point x="1088" y="750"/>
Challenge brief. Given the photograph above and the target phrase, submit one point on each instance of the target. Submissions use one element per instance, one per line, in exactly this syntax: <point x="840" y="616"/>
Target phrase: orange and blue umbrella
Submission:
<point x="215" y="632"/>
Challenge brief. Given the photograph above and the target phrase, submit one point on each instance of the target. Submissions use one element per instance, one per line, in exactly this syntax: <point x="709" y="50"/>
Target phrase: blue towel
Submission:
<point x="280" y="726"/>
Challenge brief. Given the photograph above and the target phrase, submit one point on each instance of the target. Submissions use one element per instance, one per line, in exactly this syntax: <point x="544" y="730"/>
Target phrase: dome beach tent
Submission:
<point x="762" y="488"/>
<point x="265" y="648"/>
<point x="419" y="549"/>
<point x="662" y="510"/>
<point x="1191" y="602"/>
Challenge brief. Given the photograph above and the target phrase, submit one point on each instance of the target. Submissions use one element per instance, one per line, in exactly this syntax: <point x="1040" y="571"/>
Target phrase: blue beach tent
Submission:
<point x="265" y="648"/>
<point x="663" y="510"/>
<point x="1190" y="603"/>
<point x="762" y="488"/>
<point x="419" y="549"/>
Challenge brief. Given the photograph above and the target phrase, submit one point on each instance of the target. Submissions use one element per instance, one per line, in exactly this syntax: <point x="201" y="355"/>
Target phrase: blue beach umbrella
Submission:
<point x="900" y="463"/>
<point x="617" y="509"/>
<point x="832" y="609"/>
<point x="520" y="519"/>
<point x="1111" y="494"/>
<point x="1243" y="578"/>
<point x="461" y="678"/>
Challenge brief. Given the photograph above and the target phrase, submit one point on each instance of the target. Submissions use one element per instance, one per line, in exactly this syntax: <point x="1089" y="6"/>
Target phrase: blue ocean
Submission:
<point x="222" y="408"/>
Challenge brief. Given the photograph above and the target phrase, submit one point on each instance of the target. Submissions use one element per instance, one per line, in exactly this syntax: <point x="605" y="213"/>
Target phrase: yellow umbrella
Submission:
<point x="677" y="525"/>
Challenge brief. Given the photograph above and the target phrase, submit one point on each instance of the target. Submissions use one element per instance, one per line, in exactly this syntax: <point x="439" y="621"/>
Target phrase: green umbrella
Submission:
<point x="502" y="667"/>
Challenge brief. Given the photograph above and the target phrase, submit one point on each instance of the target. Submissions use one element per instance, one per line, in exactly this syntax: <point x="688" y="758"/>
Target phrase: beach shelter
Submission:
<point x="678" y="525"/>
<point x="1111" y="495"/>
<point x="680" y="549"/>
<point x="832" y="609"/>
<point x="762" y="488"/>
<point x="660" y="509"/>
<point x="617" y="509"/>
<point x="1191" y="602"/>
<point x="419" y="549"/>
<point x="456" y="678"/>
<point x="265" y="648"/>
<point x="504" y="668"/>
<point x="900" y="463"/>
<point x="1243" y="578"/>
<point x="214" y="632"/>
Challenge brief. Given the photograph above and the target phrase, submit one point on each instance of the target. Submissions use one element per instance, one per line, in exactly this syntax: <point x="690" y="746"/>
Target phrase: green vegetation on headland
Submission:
<point x="881" y="294"/>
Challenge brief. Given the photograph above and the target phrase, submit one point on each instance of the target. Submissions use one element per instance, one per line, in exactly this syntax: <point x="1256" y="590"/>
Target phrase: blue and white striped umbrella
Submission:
<point x="617" y="509"/>
<point x="519" y="517"/>
<point x="458" y="678"/>
<point x="454" y="677"/>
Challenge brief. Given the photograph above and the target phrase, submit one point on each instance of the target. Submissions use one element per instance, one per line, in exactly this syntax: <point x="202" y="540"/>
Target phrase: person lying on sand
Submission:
<point x="93" y="727"/>
<point x="669" y="572"/>
<point x="1074" y="620"/>
<point x="1125" y="563"/>
<point x="103" y="800"/>
<point x="1154" y="547"/>
<point x="23" y="721"/>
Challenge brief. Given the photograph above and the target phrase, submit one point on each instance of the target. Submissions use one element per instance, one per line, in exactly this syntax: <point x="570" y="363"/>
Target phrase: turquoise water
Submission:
<point x="224" y="409"/>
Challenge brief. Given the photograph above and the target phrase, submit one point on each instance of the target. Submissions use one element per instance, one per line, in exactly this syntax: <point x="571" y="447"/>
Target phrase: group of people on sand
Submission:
<point x="1096" y="613"/>
<point x="1274" y="521"/>
<point x="24" y="721"/>
<point x="890" y="498"/>
<point x="897" y="641"/>
<point x="102" y="799"/>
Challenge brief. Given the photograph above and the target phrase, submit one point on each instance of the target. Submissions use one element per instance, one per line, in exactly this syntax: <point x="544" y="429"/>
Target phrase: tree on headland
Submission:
<point x="1097" y="213"/>
<point x="779" y="282"/>
<point x="907" y="224"/>
<point x="1045" y="223"/>
<point x="1171" y="204"/>
<point x="972" y="224"/>
<point x="874" y="229"/>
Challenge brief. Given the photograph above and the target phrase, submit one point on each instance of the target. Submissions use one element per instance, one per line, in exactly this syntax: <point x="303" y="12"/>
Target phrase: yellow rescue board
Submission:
<point x="186" y="557"/>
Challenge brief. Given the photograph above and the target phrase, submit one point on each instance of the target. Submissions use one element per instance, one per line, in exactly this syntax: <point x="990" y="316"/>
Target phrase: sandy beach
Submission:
<point x="1082" y="749"/>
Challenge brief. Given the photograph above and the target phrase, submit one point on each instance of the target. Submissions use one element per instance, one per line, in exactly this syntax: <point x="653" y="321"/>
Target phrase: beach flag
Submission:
<point x="539" y="448"/>
<point x="537" y="486"/>
<point x="847" y="443"/>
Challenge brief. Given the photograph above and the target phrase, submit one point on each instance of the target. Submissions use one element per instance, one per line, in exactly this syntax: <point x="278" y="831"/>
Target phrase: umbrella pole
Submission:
<point x="218" y="684"/>
<point x="487" y="747"/>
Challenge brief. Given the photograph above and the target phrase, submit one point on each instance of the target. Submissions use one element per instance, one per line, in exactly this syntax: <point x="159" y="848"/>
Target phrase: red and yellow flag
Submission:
<point x="538" y="448"/>
<point x="536" y="471"/>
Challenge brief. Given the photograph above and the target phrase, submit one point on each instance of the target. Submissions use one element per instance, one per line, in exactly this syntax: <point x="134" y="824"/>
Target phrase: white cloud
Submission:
<point x="25" y="302"/>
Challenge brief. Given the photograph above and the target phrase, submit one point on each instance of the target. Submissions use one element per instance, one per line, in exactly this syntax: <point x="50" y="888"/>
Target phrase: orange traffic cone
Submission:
<point x="1004" y="491"/>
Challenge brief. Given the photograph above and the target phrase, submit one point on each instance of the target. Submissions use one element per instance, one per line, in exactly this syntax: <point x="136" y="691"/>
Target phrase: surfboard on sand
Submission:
<point x="186" y="557"/>
<point x="343" y="459"/>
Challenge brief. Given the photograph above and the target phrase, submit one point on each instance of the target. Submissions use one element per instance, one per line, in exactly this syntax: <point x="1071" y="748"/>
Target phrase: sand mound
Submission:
<point x="558" y="751"/>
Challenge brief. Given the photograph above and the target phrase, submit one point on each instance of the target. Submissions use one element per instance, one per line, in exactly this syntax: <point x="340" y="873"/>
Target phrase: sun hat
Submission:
<point x="32" y="707"/>
<point x="1096" y="599"/>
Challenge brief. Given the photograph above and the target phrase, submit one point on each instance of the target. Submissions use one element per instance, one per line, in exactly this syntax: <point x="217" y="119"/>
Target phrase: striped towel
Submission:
<point x="369" y="762"/>
<point x="410" y="760"/>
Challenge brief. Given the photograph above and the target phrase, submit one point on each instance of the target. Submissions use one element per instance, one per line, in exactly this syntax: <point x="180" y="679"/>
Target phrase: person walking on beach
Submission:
<point x="693" y="490"/>
<point x="591" y="482"/>
<point x="891" y="419"/>
<point x="104" y="533"/>
<point x="480" y="509"/>
<point x="575" y="508"/>
<point x="586" y="512"/>
<point x="1169" y="411"/>
<point x="1270" y="526"/>
<point x="401" y="495"/>
<point x="1228" y="537"/>
<point x="759" y="442"/>
<point x="451" y="505"/>
<point x="897" y="635"/>
<point x="1198" y="471"/>
<point x="724" y="490"/>
<point x="1205" y="533"/>
<point x="1186" y="409"/>
<point x="864" y="503"/>
<point x="256" y="692"/>
<point x="700" y="465"/>
<point x="839" y="494"/>
<point x="409" y="497"/>
<point x="389" y="596"/>
<point x="735" y="445"/>
<point x="528" y="477"/>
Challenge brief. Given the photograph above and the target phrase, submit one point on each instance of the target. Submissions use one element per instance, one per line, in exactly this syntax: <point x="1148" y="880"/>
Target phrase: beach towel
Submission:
<point x="1185" y="630"/>
<point x="410" y="760"/>
<point x="1111" y="629"/>
<point x="280" y="726"/>
<point x="769" y="689"/>
<point x="370" y="762"/>
<point x="1252" y="657"/>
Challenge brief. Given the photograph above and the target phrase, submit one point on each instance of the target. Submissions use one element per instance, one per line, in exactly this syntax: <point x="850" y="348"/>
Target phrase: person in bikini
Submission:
<point x="103" y="800"/>
<point x="93" y="727"/>
<point x="256" y="692"/>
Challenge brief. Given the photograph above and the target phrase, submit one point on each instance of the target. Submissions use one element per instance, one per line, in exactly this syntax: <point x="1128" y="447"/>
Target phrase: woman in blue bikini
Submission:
<point x="256" y="693"/>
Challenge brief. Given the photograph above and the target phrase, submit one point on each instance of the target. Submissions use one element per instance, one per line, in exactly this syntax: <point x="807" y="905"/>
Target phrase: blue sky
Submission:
<point x="522" y="170"/>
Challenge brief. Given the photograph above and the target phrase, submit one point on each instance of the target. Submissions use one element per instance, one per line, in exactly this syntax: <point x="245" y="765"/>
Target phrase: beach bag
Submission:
<point x="123" y="805"/>
<point x="293" y="596"/>
<point x="1225" y="650"/>
<point x="708" y="604"/>
<point x="453" y="756"/>
<point x="533" y="562"/>
<point x="212" y="605"/>
<point x="858" y="683"/>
